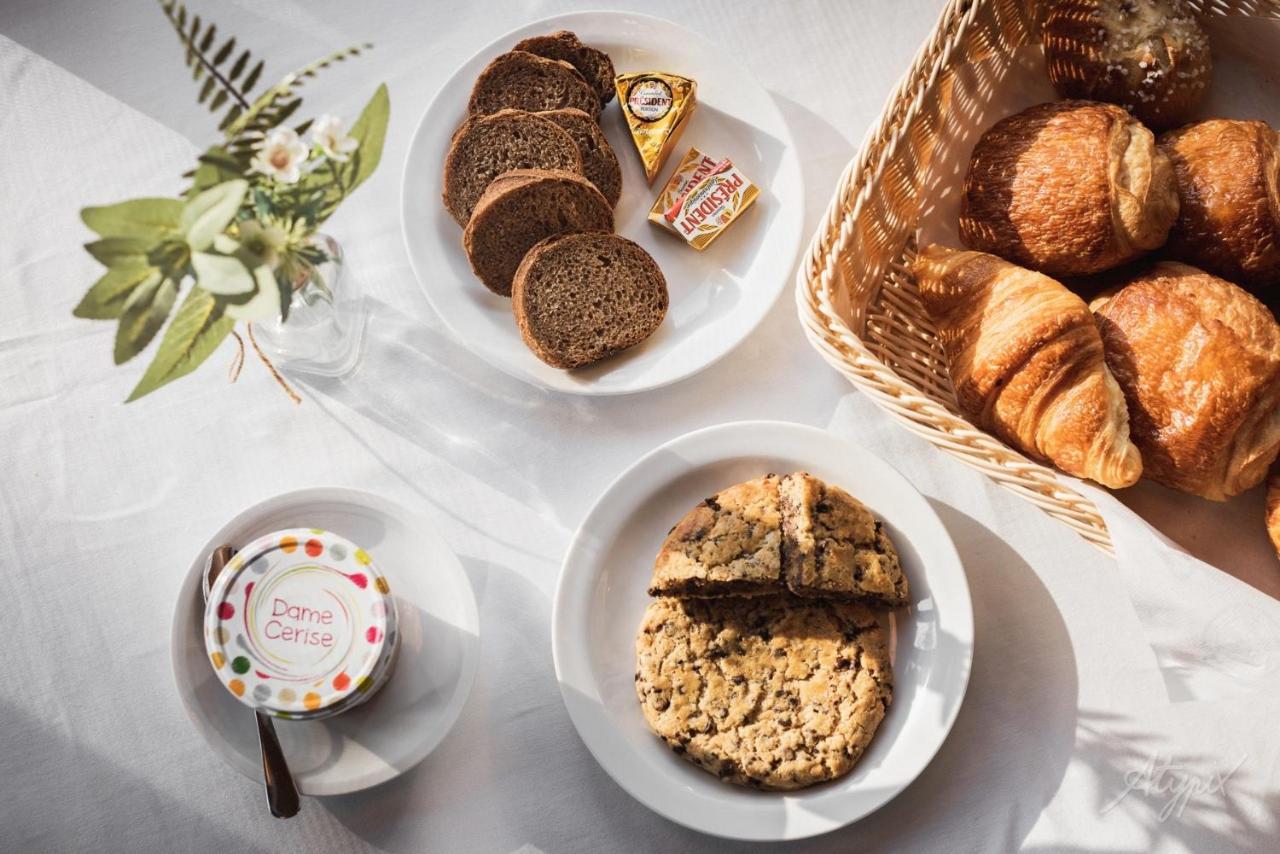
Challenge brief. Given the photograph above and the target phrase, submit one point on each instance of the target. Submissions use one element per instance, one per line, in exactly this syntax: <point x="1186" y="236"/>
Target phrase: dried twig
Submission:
<point x="272" y="368"/>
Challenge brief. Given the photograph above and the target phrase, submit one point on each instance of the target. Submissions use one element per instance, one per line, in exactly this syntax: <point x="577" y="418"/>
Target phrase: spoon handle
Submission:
<point x="282" y="792"/>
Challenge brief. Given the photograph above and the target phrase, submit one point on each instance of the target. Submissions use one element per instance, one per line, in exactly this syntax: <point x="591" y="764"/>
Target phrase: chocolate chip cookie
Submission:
<point x="729" y="545"/>
<point x="774" y="692"/>
<point x="833" y="546"/>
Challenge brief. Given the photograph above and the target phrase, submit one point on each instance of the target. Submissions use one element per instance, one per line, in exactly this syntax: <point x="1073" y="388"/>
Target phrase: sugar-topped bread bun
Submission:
<point x="1068" y="188"/>
<point x="1149" y="56"/>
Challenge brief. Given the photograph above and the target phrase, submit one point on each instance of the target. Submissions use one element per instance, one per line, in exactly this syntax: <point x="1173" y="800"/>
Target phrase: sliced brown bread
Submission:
<point x="599" y="163"/>
<point x="486" y="146"/>
<point x="594" y="65"/>
<point x="520" y="208"/>
<point x="581" y="297"/>
<point x="522" y="81"/>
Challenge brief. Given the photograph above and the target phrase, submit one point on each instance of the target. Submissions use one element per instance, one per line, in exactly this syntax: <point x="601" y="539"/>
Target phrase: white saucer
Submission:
<point x="439" y="648"/>
<point x="601" y="597"/>
<point x="718" y="296"/>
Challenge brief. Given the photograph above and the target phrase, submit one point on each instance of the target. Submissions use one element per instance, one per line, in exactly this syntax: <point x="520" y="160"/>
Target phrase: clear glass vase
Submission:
<point x="325" y="329"/>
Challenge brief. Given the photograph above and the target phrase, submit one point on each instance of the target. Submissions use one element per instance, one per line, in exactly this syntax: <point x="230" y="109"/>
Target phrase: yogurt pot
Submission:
<point x="301" y="625"/>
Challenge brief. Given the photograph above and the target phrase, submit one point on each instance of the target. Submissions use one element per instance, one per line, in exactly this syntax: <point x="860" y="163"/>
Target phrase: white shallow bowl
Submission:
<point x="439" y="648"/>
<point x="601" y="598"/>
<point x="718" y="296"/>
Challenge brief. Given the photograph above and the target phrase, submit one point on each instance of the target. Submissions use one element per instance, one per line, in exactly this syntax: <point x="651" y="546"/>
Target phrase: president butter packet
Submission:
<point x="301" y="624"/>
<point x="693" y="167"/>
<point x="711" y="204"/>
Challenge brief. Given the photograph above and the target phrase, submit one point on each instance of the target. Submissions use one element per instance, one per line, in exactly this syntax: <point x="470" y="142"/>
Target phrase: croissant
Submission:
<point x="1198" y="359"/>
<point x="1027" y="363"/>
<point x="1229" y="222"/>
<point x="1068" y="188"/>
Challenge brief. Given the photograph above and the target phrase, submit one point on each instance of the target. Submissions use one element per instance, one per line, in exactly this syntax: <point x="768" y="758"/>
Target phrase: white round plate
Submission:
<point x="439" y="648"/>
<point x="718" y="296"/>
<point x="601" y="597"/>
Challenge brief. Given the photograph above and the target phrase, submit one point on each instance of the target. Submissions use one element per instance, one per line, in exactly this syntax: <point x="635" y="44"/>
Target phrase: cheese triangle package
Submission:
<point x="658" y="107"/>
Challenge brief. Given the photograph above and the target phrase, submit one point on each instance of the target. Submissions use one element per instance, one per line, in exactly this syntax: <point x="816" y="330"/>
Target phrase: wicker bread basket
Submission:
<point x="858" y="303"/>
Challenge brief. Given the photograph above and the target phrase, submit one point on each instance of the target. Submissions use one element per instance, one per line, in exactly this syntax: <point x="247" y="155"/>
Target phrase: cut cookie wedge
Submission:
<point x="729" y="545"/>
<point x="484" y="147"/>
<point x="523" y="81"/>
<point x="833" y="547"/>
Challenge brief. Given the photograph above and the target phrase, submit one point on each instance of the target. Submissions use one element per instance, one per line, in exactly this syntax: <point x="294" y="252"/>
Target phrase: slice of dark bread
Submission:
<point x="520" y="208"/>
<point x="599" y="163"/>
<point x="594" y="65"/>
<point x="581" y="297"/>
<point x="522" y="81"/>
<point x="486" y="146"/>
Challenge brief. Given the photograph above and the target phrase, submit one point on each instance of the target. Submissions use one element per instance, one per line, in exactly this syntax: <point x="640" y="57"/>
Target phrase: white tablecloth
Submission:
<point x="101" y="505"/>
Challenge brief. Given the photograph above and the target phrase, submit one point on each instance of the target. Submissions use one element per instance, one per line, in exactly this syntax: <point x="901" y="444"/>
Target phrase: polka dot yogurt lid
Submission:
<point x="301" y="624"/>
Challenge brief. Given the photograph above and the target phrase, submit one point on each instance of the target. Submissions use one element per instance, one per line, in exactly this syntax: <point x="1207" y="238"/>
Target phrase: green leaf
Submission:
<point x="224" y="52"/>
<point x="150" y="217"/>
<point x="237" y="68"/>
<point x="106" y="299"/>
<point x="370" y="130"/>
<point x="208" y="213"/>
<point x="144" y="313"/>
<point x="215" y="167"/>
<point x="225" y="275"/>
<point x="197" y="330"/>
<point x="252" y="78"/>
<point x="121" y="252"/>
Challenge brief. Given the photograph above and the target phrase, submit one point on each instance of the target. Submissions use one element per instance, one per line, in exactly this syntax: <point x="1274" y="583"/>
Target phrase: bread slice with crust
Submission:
<point x="599" y="163"/>
<point x="523" y="81"/>
<point x="579" y="298"/>
<point x="520" y="208"/>
<point x="595" y="65"/>
<point x="484" y="147"/>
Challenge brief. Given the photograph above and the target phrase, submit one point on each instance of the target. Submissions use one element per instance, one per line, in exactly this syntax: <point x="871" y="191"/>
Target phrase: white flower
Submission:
<point x="329" y="135"/>
<point x="281" y="155"/>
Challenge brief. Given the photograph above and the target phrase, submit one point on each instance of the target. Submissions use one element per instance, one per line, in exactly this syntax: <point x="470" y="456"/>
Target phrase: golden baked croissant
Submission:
<point x="1026" y="361"/>
<point x="1229" y="222"/>
<point x="1068" y="188"/>
<point x="1199" y="361"/>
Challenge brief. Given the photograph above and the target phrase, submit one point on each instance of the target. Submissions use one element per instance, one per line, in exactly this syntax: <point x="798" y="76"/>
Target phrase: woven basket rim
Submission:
<point x="844" y="348"/>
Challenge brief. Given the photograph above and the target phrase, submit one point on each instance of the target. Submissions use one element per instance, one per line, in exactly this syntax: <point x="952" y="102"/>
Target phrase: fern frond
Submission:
<point x="198" y="40"/>
<point x="277" y="103"/>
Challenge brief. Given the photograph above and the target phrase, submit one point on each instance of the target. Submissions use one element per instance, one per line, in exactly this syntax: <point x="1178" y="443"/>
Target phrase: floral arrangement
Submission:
<point x="240" y="239"/>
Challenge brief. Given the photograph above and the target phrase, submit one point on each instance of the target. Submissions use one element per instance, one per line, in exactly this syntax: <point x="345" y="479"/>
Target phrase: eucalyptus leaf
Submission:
<point x="209" y="213"/>
<point x="122" y="252"/>
<point x="106" y="299"/>
<point x="150" y="217"/>
<point x="225" y="275"/>
<point x="197" y="329"/>
<point x="144" y="313"/>
<point x="264" y="304"/>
